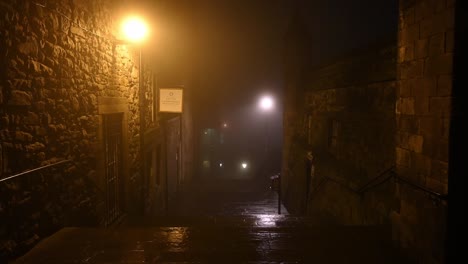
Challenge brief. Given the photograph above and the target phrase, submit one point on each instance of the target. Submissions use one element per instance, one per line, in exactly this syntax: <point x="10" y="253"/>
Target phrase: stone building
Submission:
<point x="372" y="138"/>
<point x="81" y="140"/>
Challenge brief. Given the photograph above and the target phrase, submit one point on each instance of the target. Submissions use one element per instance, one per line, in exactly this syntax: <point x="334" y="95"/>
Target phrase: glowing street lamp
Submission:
<point x="244" y="165"/>
<point x="135" y="29"/>
<point x="266" y="103"/>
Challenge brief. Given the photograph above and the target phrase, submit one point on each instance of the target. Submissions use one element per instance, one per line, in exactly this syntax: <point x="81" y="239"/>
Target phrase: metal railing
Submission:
<point x="35" y="170"/>
<point x="37" y="202"/>
<point x="381" y="178"/>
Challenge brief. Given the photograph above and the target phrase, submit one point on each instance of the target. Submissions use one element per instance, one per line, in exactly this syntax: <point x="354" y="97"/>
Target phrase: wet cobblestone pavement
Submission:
<point x="211" y="226"/>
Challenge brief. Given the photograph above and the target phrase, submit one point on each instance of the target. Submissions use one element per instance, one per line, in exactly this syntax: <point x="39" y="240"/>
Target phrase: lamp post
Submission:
<point x="266" y="104"/>
<point x="135" y="31"/>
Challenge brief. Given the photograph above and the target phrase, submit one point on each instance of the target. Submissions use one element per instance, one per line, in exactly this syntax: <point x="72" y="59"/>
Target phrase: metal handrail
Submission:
<point x="391" y="174"/>
<point x="35" y="170"/>
<point x="369" y="185"/>
<point x="440" y="196"/>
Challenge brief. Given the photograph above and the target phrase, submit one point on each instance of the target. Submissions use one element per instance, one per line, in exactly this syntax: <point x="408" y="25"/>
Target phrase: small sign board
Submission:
<point x="170" y="100"/>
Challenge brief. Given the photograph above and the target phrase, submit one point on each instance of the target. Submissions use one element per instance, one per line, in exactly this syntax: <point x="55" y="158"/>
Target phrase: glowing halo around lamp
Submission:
<point x="134" y="29"/>
<point x="266" y="103"/>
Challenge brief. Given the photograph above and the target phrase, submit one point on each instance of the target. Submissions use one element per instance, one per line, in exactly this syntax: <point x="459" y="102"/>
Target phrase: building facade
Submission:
<point x="81" y="139"/>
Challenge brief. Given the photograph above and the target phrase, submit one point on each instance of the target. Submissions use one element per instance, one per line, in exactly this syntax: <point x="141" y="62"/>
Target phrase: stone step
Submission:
<point x="208" y="243"/>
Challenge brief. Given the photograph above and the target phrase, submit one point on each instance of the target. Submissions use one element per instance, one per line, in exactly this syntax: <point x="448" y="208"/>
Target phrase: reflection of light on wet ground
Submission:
<point x="267" y="220"/>
<point x="176" y="239"/>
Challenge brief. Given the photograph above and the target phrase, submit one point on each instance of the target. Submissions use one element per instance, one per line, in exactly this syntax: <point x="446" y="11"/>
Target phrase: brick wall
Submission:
<point x="60" y="61"/>
<point x="423" y="107"/>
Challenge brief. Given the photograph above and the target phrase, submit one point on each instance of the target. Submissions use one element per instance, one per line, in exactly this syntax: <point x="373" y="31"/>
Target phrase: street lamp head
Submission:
<point x="134" y="29"/>
<point x="266" y="103"/>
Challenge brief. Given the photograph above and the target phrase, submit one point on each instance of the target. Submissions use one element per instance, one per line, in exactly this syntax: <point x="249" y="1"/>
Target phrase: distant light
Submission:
<point x="244" y="165"/>
<point x="135" y="29"/>
<point x="266" y="103"/>
<point x="225" y="125"/>
<point x="221" y="165"/>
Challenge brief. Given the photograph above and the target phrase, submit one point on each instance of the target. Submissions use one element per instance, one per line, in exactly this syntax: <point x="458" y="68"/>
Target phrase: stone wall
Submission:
<point x="345" y="120"/>
<point x="390" y="108"/>
<point x="423" y="107"/>
<point x="59" y="58"/>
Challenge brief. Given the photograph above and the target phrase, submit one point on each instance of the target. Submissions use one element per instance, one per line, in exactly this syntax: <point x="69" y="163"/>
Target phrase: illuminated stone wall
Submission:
<point x="423" y="109"/>
<point x="60" y="61"/>
<point x="345" y="119"/>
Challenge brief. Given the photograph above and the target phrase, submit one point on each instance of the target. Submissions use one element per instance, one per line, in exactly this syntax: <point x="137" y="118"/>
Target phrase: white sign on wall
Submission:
<point x="170" y="100"/>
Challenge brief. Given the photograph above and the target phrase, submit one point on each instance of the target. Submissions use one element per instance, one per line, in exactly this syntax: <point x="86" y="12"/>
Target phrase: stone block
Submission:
<point x="401" y="54"/>
<point x="405" y="106"/>
<point x="40" y="69"/>
<point x="439" y="23"/>
<point x="411" y="69"/>
<point x="401" y="139"/>
<point x="421" y="163"/>
<point x="421" y="105"/>
<point x="425" y="9"/>
<point x="444" y="85"/>
<point x="437" y="45"/>
<point x="20" y="98"/>
<point x="408" y="35"/>
<point x="440" y="106"/>
<point x="439" y="171"/>
<point x="35" y="147"/>
<point x="441" y="150"/>
<point x="402" y="157"/>
<point x="405" y="88"/>
<point x="409" y="124"/>
<point x="430" y="126"/>
<point x="428" y="146"/>
<point x="29" y="48"/>
<point x="23" y="136"/>
<point x="77" y="31"/>
<point x="31" y="119"/>
<point x="424" y="87"/>
<point x="408" y="210"/>
<point x="439" y="65"/>
<point x="436" y="185"/>
<point x="421" y="49"/>
<point x="415" y="143"/>
<point x="409" y="52"/>
<point x="408" y="17"/>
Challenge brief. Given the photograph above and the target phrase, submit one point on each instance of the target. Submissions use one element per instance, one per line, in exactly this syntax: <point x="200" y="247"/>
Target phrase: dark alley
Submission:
<point x="232" y="131"/>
